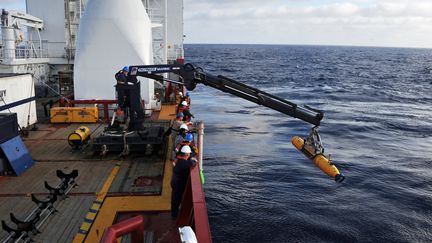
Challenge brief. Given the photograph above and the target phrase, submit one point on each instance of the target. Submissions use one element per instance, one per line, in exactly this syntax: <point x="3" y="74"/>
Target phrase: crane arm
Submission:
<point x="192" y="76"/>
<point x="260" y="97"/>
<point x="16" y="18"/>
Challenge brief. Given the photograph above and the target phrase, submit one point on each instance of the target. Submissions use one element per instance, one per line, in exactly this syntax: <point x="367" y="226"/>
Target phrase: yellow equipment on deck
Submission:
<point x="74" y="114"/>
<point x="79" y="137"/>
<point x="320" y="160"/>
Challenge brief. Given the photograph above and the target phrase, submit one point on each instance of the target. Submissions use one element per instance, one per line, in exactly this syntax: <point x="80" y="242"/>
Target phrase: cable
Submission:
<point x="55" y="91"/>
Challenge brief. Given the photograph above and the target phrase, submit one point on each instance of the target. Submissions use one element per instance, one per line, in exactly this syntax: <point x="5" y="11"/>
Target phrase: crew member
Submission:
<point x="180" y="177"/>
<point x="123" y="95"/>
<point x="187" y="98"/>
<point x="181" y="106"/>
<point x="178" y="121"/>
<point x="186" y="113"/>
<point x="122" y="75"/>
<point x="181" y="134"/>
<point x="129" y="98"/>
<point x="176" y="127"/>
<point x="187" y="141"/>
<point x="179" y="138"/>
<point x="180" y="95"/>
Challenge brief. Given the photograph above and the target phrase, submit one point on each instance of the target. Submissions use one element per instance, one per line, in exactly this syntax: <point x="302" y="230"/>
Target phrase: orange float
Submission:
<point x="320" y="160"/>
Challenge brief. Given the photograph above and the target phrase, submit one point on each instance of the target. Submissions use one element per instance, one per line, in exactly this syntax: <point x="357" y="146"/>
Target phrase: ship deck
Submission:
<point x="107" y="186"/>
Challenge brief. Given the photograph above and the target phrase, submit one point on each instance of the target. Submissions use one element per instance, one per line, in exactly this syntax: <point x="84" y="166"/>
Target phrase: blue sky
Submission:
<point x="400" y="23"/>
<point x="13" y="4"/>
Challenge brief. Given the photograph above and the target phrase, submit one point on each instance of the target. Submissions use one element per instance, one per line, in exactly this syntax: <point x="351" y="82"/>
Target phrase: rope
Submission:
<point x="29" y="109"/>
<point x="55" y="91"/>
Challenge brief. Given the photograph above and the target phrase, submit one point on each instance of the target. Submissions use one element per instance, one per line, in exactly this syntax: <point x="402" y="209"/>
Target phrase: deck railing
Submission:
<point x="193" y="210"/>
<point x="22" y="53"/>
<point x="133" y="226"/>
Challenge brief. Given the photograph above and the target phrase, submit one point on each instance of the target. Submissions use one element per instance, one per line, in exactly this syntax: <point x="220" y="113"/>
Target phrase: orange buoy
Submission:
<point x="319" y="160"/>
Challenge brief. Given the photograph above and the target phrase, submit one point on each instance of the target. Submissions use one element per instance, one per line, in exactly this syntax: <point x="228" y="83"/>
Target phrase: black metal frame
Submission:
<point x="191" y="76"/>
<point x="26" y="229"/>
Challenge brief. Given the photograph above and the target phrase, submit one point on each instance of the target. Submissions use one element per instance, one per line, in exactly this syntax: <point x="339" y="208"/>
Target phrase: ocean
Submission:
<point x="377" y="127"/>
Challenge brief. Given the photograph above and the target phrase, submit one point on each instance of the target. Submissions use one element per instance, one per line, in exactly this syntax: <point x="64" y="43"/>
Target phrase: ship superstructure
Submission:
<point x="48" y="52"/>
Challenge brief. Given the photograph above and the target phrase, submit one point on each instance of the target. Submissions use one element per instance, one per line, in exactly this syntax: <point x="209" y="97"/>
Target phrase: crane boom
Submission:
<point x="192" y="76"/>
<point x="15" y="18"/>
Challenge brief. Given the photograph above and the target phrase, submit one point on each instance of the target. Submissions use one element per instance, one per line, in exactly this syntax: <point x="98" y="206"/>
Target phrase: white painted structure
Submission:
<point x="61" y="18"/>
<point x="167" y="21"/>
<point x="14" y="88"/>
<point x="58" y="38"/>
<point x="112" y="34"/>
<point x="17" y="53"/>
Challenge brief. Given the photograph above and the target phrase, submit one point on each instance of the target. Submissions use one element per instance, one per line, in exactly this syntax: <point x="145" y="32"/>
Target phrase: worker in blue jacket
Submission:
<point x="180" y="176"/>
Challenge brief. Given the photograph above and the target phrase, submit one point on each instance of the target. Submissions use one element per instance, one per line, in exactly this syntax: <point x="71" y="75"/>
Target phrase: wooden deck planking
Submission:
<point x="134" y="167"/>
<point x="49" y="147"/>
<point x="59" y="227"/>
<point x="90" y="177"/>
<point x="59" y="150"/>
<point x="62" y="226"/>
<point x="19" y="206"/>
<point x="66" y="221"/>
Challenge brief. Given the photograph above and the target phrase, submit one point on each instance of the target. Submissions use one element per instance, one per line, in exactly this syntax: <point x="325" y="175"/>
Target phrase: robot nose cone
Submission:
<point x="339" y="178"/>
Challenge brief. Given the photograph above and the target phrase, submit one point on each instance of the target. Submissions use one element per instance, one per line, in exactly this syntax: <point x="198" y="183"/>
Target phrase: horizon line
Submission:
<point x="328" y="45"/>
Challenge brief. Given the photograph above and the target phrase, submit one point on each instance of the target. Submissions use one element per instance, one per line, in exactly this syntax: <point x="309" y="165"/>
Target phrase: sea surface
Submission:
<point x="377" y="127"/>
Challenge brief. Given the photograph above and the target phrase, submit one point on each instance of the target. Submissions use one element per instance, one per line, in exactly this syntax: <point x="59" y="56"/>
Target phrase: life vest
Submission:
<point x="180" y="145"/>
<point x="181" y="108"/>
<point x="183" y="156"/>
<point x="180" y="156"/>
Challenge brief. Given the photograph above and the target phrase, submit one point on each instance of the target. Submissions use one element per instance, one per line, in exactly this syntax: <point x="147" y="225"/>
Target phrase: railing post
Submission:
<point x="200" y="128"/>
<point x="106" y="112"/>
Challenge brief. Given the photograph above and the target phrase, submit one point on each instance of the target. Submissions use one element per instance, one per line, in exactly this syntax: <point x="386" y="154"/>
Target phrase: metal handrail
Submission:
<point x="133" y="226"/>
<point x="23" y="53"/>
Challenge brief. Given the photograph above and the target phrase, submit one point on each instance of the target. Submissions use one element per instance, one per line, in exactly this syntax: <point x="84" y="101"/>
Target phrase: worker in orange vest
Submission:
<point x="187" y="141"/>
<point x="183" y="107"/>
<point x="181" y="134"/>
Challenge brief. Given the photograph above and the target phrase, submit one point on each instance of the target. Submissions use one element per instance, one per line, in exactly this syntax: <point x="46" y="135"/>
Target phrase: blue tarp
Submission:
<point x="17" y="154"/>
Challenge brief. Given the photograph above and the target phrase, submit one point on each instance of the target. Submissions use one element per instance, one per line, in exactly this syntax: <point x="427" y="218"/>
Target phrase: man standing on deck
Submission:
<point x="182" y="131"/>
<point x="122" y="75"/>
<point x="180" y="177"/>
<point x="187" y="141"/>
<point x="184" y="108"/>
<point x="178" y="121"/>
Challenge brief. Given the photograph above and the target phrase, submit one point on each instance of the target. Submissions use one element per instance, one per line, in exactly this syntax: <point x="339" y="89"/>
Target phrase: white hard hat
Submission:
<point x="184" y="103"/>
<point x="186" y="150"/>
<point x="184" y="126"/>
<point x="180" y="93"/>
